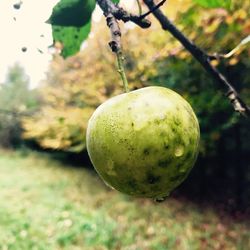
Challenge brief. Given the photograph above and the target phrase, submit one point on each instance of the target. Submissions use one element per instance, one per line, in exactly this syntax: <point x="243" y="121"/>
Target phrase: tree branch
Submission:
<point x="116" y="47"/>
<point x="115" y="43"/>
<point x="202" y="58"/>
<point x="108" y="7"/>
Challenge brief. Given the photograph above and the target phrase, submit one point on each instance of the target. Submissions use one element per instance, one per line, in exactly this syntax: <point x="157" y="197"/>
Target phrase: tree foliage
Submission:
<point x="73" y="90"/>
<point x="70" y="21"/>
<point x="75" y="87"/>
<point x="15" y="99"/>
<point x="214" y="3"/>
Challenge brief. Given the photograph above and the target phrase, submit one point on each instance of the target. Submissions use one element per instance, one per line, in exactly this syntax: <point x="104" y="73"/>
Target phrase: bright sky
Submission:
<point x="30" y="31"/>
<point x="26" y="31"/>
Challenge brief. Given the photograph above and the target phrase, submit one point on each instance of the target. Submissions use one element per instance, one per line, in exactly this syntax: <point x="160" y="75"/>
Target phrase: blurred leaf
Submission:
<point x="77" y="148"/>
<point x="76" y="13"/>
<point x="214" y="3"/>
<point x="115" y="1"/>
<point x="71" y="38"/>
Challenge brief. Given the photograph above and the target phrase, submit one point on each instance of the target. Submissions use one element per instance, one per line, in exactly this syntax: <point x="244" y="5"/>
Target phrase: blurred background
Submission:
<point x="50" y="195"/>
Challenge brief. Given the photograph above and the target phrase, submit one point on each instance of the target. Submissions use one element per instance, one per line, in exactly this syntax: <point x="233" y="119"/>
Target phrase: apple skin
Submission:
<point x="144" y="143"/>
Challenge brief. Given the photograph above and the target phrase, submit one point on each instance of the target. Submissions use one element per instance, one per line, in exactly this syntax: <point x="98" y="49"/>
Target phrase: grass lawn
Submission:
<point x="47" y="205"/>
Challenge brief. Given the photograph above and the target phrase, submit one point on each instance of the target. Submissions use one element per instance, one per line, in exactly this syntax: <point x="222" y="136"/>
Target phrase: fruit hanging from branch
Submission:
<point x="144" y="143"/>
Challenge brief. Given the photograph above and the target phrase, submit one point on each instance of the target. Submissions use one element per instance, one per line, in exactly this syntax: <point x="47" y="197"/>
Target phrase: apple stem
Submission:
<point x="116" y="47"/>
<point x="121" y="71"/>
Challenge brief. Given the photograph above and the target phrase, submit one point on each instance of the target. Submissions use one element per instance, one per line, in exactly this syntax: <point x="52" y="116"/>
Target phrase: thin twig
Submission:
<point x="108" y="7"/>
<point x="240" y="46"/>
<point x="157" y="6"/>
<point x="115" y="46"/>
<point x="139" y="7"/>
<point x="204" y="59"/>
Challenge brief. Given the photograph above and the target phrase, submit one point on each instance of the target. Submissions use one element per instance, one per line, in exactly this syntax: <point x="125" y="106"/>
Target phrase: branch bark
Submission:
<point x="108" y="7"/>
<point x="202" y="58"/>
<point x="115" y="45"/>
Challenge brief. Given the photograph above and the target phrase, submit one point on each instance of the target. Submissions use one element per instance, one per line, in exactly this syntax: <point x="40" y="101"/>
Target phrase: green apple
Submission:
<point x="144" y="143"/>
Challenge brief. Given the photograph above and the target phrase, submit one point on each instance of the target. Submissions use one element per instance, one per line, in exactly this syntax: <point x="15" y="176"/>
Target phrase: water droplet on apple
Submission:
<point x="179" y="151"/>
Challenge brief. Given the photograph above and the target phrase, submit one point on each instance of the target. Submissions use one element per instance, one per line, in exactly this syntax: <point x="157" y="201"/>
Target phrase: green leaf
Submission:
<point x="75" y="13"/>
<point x="115" y="1"/>
<point x="214" y="3"/>
<point x="70" y="37"/>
